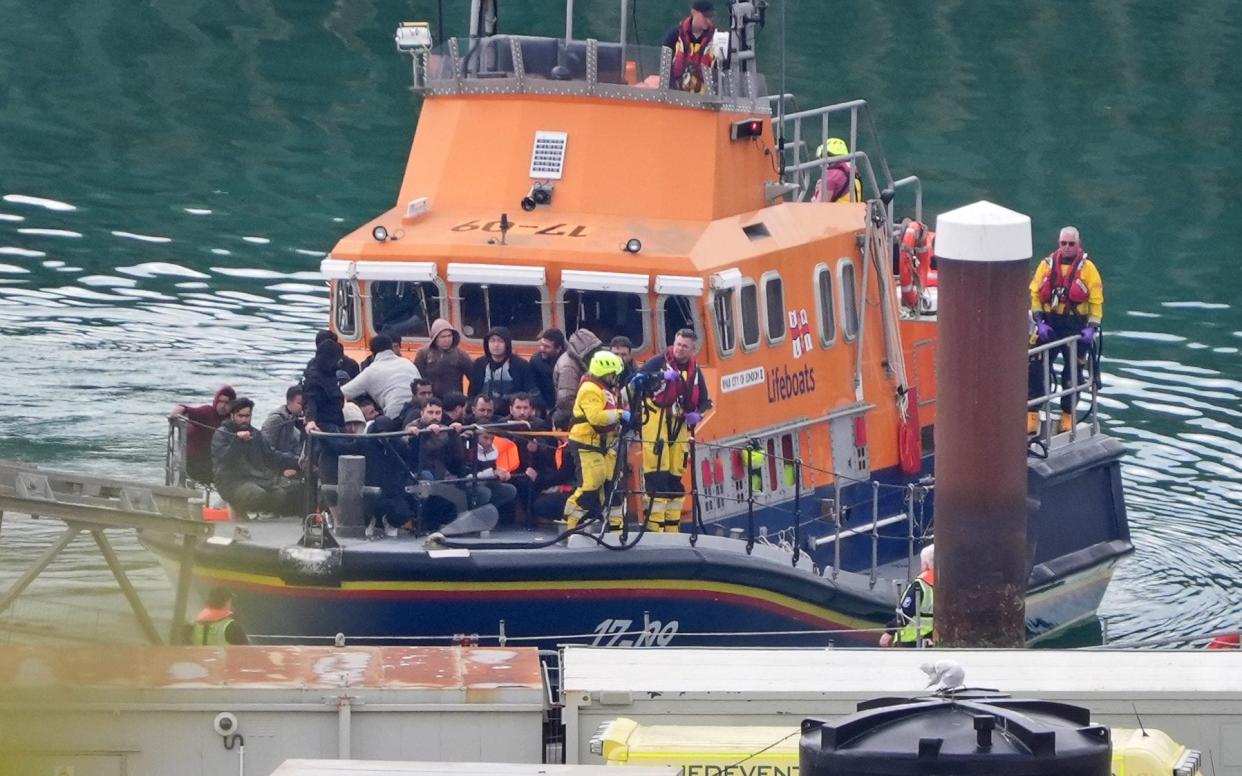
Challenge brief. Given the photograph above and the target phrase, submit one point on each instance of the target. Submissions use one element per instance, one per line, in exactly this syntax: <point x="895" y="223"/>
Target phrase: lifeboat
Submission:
<point x="559" y="182"/>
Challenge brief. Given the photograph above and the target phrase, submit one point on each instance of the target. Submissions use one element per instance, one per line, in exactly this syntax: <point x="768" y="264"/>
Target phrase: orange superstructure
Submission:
<point x="795" y="327"/>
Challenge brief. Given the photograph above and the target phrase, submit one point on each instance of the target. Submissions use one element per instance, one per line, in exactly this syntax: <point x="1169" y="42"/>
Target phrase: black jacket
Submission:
<point x="485" y="373"/>
<point x="323" y="398"/>
<point x="236" y="461"/>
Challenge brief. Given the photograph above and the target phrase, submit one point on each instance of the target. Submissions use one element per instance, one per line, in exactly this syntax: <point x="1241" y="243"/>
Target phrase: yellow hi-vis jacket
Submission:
<point x="595" y="416"/>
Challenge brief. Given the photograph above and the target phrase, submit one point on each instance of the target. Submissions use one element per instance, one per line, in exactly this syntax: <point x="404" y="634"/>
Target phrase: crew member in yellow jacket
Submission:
<point x="596" y="423"/>
<point x="671" y="409"/>
<point x="1067" y="299"/>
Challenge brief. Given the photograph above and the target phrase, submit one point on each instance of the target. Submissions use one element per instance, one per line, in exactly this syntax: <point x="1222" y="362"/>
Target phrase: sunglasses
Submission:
<point x="1068" y="242"/>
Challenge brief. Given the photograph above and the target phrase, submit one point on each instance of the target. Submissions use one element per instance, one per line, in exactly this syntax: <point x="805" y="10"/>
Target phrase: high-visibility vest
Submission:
<point x="920" y="627"/>
<point x="209" y="627"/>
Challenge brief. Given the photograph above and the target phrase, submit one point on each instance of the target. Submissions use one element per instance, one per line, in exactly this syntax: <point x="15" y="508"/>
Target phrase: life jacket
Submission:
<point x="507" y="456"/>
<point x="920" y="628"/>
<point x="1060" y="288"/>
<point x="842" y="190"/>
<point x="691" y="56"/>
<point x="209" y="627"/>
<point x="915" y="270"/>
<point x="685" y="387"/>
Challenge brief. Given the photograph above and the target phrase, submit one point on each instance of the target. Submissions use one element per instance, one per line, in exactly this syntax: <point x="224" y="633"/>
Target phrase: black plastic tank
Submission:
<point x="962" y="736"/>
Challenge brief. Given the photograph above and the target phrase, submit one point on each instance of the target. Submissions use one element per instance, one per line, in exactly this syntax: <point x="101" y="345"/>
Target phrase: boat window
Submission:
<point x="606" y="314"/>
<point x="823" y="300"/>
<point x="750" y="316"/>
<point x="405" y="308"/>
<point x="345" y="308"/>
<point x="774" y="306"/>
<point x="676" y="312"/>
<point x="849" y="300"/>
<point x="486" y="305"/>
<point x="722" y="305"/>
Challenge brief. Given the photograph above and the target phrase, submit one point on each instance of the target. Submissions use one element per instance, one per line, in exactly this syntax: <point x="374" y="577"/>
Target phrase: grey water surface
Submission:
<point x="172" y="172"/>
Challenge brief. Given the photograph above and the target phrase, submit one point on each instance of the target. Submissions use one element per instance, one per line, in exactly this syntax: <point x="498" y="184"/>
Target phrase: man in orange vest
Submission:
<point x="495" y="460"/>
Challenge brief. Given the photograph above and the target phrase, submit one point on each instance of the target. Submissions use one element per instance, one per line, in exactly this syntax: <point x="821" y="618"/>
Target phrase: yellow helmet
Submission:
<point x="605" y="364"/>
<point x="833" y="146"/>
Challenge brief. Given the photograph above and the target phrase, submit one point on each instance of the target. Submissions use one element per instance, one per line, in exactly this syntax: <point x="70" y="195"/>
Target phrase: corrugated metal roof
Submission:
<point x="434" y="668"/>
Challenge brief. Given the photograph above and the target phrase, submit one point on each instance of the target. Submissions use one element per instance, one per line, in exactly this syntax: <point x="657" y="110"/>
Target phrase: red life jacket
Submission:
<point x="684" y="388"/>
<point x="208" y="614"/>
<point x="1067" y="288"/>
<point x="691" y="56"/>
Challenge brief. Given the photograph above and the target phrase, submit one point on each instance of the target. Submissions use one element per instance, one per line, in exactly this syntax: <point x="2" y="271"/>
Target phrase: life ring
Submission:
<point x="915" y="270"/>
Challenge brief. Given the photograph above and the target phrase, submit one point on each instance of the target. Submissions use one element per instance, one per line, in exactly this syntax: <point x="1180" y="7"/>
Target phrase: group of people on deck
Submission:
<point x="499" y="428"/>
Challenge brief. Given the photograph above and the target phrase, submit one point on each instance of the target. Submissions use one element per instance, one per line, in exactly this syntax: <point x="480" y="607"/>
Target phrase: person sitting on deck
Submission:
<point x="532" y="451"/>
<point x="483" y="410"/>
<point x="283" y="428"/>
<point x="387" y="380"/>
<point x="216" y="625"/>
<point x="251" y="476"/>
<point x="420" y="391"/>
<point x="202" y="422"/>
<point x="370" y="410"/>
<point x="555" y="482"/>
<point x="389" y="463"/>
<point x="913" y="624"/>
<point x="441" y="456"/>
<point x="455" y="404"/>
<point x="495" y="461"/>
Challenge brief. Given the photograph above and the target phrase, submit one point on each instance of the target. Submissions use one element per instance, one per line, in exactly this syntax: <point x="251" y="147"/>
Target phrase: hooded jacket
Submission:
<point x="198" y="434"/>
<point x="320" y="391"/>
<point x="446" y="369"/>
<point x="236" y="461"/>
<point x="571" y="366"/>
<point x="488" y="376"/>
<point x="387" y="380"/>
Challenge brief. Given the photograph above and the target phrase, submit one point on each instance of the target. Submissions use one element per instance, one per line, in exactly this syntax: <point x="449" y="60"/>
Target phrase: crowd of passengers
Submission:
<point x="466" y="422"/>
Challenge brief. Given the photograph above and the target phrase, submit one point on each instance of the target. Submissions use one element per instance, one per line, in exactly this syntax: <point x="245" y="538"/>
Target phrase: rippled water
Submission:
<point x="171" y="174"/>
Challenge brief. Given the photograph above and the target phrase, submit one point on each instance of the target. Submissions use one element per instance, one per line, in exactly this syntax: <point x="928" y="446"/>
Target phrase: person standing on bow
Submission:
<point x="691" y="42"/>
<point x="835" y="185"/>
<point x="674" y="400"/>
<point x="1067" y="299"/>
<point x="597" y="421"/>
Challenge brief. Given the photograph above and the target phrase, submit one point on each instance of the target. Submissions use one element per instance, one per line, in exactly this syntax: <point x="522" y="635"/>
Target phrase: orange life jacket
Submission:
<point x="1063" y="288"/>
<point x="691" y="57"/>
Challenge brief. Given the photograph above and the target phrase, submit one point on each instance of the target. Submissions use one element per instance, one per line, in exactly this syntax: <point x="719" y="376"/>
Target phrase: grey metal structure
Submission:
<point x="94" y="505"/>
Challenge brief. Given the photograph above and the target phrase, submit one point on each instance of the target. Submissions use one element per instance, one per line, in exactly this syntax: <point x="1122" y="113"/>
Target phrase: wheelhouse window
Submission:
<point x="750" y="316"/>
<point x="345" y="308"/>
<point x="487" y="305"/>
<point x="774" y="306"/>
<point x="404" y="307"/>
<point x="849" y="300"/>
<point x="722" y="306"/>
<point x="823" y="300"/>
<point x="607" y="314"/>
<point x="676" y="313"/>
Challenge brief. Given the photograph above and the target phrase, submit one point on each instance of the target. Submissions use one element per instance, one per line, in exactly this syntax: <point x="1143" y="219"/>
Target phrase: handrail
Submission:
<point x="1088" y="383"/>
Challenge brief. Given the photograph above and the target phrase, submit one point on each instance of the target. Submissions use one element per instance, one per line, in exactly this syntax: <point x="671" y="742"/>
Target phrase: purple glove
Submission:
<point x="1043" y="332"/>
<point x="669" y="374"/>
<point x="693" y="418"/>
<point x="1088" y="335"/>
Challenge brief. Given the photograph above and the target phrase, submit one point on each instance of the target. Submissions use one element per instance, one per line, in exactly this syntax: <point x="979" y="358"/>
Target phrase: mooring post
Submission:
<point x="983" y="251"/>
<point x="350" y="506"/>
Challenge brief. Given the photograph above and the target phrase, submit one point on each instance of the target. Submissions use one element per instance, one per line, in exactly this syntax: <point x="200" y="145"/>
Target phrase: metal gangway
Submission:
<point x="96" y="505"/>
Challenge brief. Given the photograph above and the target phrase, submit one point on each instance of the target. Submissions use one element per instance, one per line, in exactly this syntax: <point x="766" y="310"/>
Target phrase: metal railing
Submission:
<point x="1088" y="382"/>
<point x="801" y="142"/>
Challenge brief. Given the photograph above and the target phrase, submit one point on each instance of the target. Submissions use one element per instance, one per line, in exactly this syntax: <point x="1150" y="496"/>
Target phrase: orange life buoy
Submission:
<point x="915" y="269"/>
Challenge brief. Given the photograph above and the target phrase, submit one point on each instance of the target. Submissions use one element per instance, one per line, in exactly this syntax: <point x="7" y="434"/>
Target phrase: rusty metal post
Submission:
<point x="981" y="382"/>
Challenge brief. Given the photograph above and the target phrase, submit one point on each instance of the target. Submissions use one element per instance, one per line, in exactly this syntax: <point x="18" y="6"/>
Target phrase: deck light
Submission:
<point x="379" y="233"/>
<point x="632" y="245"/>
<point x="746" y="128"/>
